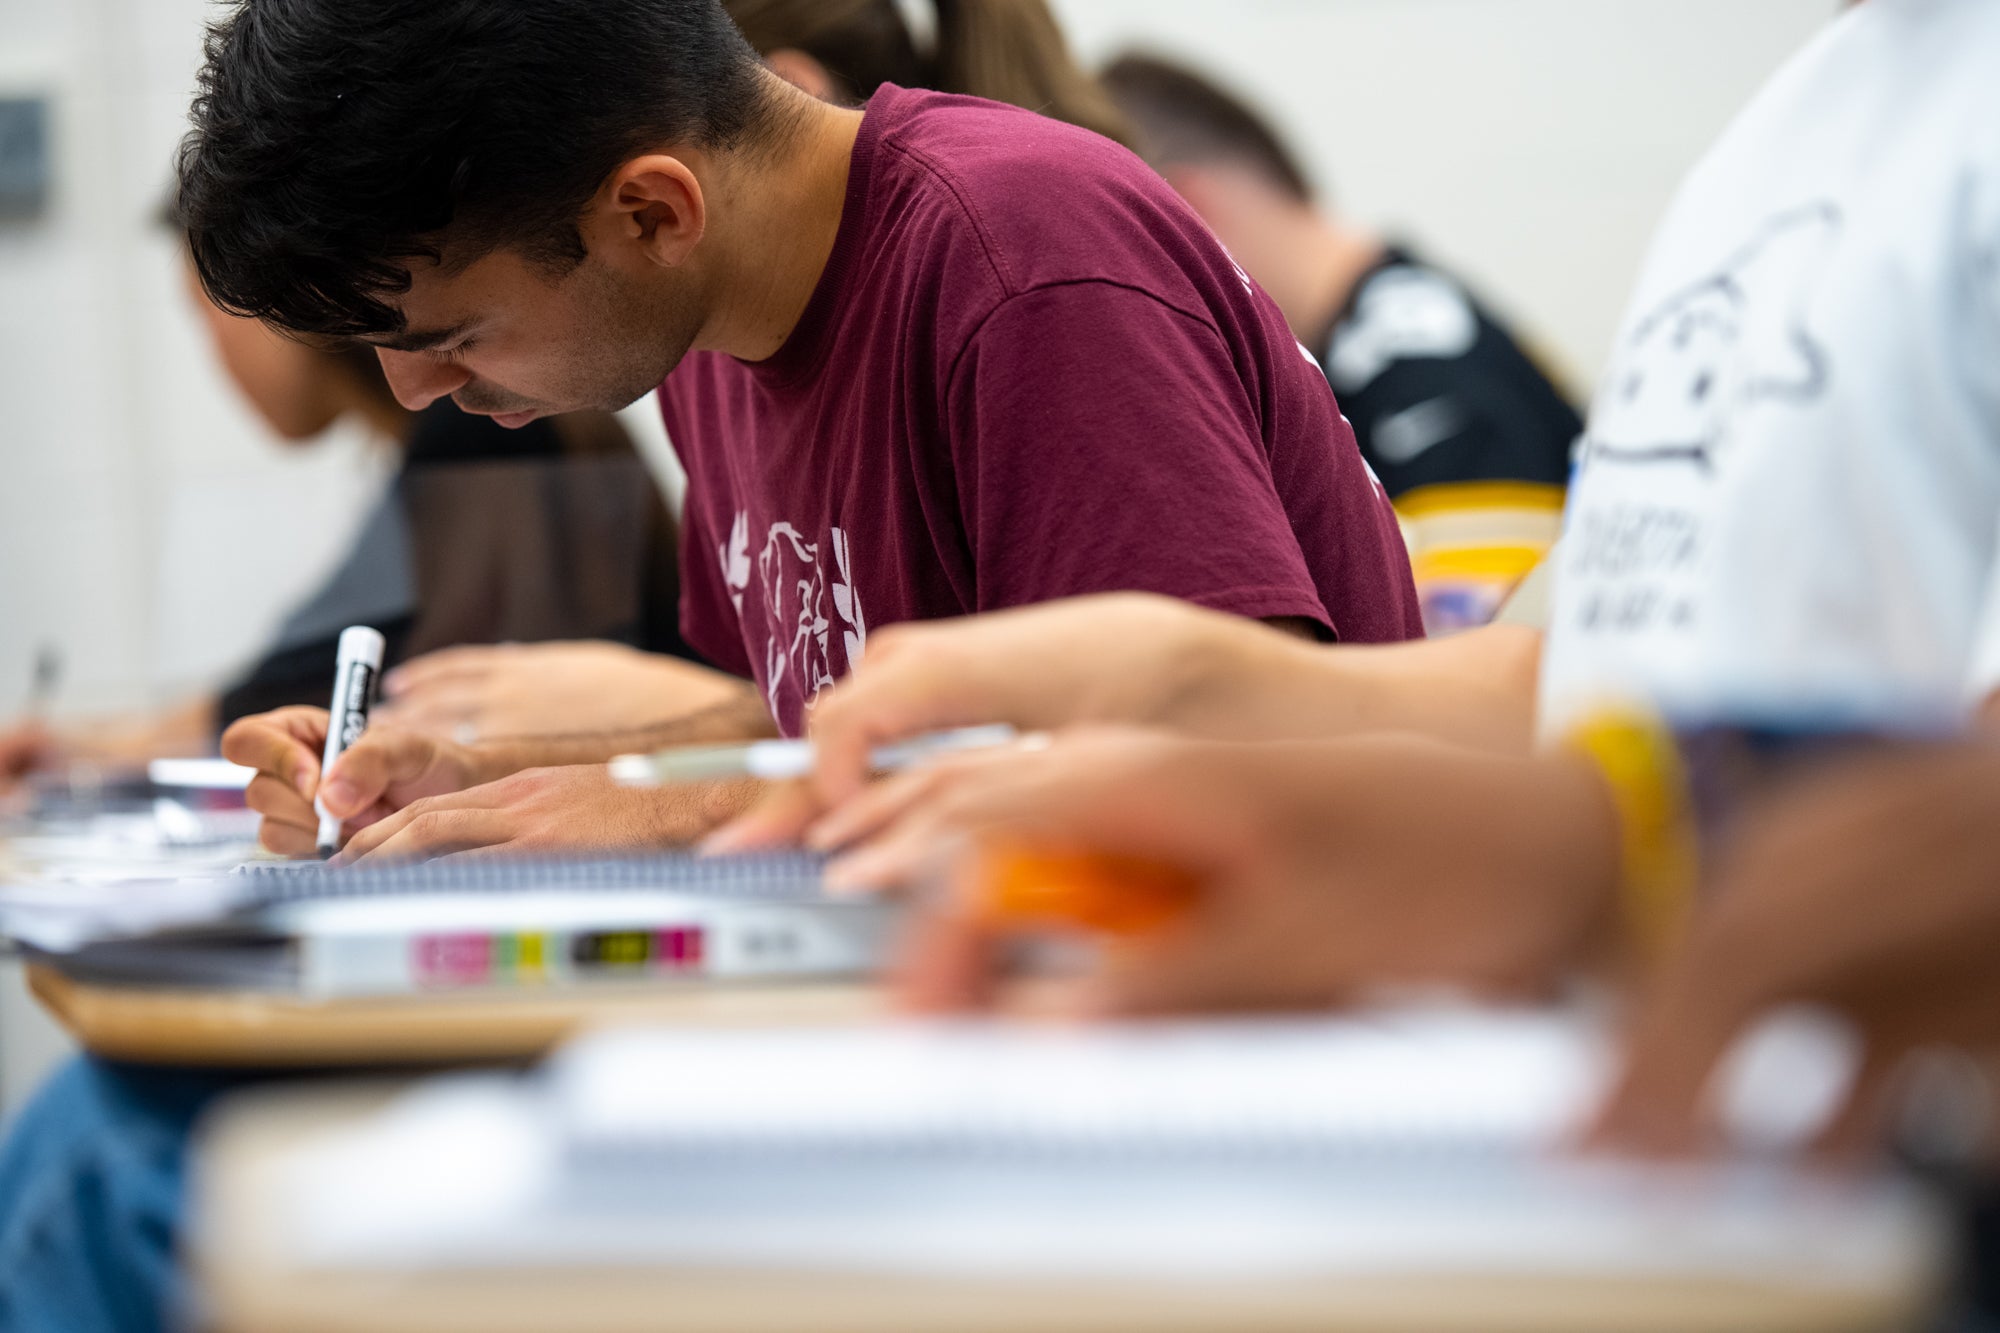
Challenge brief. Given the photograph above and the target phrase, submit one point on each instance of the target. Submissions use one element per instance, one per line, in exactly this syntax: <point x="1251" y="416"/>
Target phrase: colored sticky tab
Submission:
<point x="680" y="948"/>
<point x="1118" y="895"/>
<point x="452" y="960"/>
<point x="519" y="957"/>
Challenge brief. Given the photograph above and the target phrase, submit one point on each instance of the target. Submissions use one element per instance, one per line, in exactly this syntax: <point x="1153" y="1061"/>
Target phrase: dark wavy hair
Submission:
<point x="334" y="141"/>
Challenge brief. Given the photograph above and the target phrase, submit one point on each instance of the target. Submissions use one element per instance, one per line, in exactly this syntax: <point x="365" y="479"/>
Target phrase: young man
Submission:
<point x="935" y="358"/>
<point x="1468" y="434"/>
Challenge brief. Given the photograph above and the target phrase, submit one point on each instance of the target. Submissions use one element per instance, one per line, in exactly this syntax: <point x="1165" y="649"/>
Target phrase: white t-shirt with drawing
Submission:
<point x="1788" y="496"/>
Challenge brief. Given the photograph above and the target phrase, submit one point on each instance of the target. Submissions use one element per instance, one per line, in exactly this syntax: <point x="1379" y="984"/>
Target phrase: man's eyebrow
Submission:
<point x="411" y="340"/>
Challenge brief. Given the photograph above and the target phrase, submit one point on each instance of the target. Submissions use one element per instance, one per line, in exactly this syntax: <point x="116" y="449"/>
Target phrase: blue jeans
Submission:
<point x="91" y="1178"/>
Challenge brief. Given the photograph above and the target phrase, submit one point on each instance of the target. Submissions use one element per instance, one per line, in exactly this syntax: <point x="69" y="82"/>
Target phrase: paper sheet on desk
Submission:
<point x="59" y="915"/>
<point x="1399" y="1143"/>
<point x="120" y="874"/>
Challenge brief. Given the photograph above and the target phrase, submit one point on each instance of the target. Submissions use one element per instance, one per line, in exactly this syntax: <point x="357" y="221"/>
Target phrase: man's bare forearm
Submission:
<point x="1475" y="689"/>
<point x="742" y="717"/>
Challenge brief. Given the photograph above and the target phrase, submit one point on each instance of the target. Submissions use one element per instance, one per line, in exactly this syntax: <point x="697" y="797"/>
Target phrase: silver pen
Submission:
<point x="777" y="760"/>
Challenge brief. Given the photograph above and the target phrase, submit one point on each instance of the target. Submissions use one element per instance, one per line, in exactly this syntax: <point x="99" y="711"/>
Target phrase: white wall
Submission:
<point x="1529" y="143"/>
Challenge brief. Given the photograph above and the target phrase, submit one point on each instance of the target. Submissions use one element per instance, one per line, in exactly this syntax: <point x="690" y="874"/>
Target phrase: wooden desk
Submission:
<point x="246" y="1030"/>
<point x="239" y="1257"/>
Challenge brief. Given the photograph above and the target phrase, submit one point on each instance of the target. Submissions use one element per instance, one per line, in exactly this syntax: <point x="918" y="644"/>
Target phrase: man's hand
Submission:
<point x="482" y="691"/>
<point x="1874" y="890"/>
<point x="1329" y="868"/>
<point x="546" y="811"/>
<point x="377" y="776"/>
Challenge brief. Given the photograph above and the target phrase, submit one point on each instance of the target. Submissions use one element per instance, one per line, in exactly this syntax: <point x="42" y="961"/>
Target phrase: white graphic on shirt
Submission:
<point x="1680" y="377"/>
<point x="847" y="601"/>
<point x="1402" y="312"/>
<point x="1243" y="276"/>
<point x="792" y="579"/>
<point x="794" y="586"/>
<point x="735" y="557"/>
<point x="1407" y="434"/>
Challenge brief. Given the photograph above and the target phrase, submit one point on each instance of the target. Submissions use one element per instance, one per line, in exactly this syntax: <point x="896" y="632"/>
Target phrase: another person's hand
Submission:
<point x="378" y="775"/>
<point x="1125" y="658"/>
<point x="25" y="748"/>
<point x="1328" y="869"/>
<point x="1873" y="890"/>
<point x="547" y="811"/>
<point x="483" y="691"/>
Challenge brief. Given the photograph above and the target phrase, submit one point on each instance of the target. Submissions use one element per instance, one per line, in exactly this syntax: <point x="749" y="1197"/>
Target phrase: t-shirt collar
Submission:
<point x="806" y="346"/>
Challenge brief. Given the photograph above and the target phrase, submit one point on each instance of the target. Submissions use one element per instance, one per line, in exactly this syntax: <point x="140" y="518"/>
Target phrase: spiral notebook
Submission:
<point x="463" y="926"/>
<point x="1403" y="1142"/>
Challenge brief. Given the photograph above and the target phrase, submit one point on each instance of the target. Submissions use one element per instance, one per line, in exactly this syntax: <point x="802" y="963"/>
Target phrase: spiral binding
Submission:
<point x="774" y="876"/>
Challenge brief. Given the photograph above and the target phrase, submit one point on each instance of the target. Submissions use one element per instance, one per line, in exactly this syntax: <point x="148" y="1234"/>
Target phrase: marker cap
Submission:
<point x="359" y="643"/>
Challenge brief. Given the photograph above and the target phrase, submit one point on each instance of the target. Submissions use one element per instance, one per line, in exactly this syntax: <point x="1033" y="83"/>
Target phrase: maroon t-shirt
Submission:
<point x="1028" y="372"/>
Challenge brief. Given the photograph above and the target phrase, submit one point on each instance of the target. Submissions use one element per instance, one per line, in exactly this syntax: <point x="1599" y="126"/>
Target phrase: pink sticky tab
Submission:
<point x="453" y="960"/>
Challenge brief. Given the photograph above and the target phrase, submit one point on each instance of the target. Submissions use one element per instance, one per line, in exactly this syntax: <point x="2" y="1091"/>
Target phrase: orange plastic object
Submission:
<point x="1118" y="895"/>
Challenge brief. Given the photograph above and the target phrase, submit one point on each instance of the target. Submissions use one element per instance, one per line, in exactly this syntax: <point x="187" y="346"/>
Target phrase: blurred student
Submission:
<point x="840" y="51"/>
<point x="424" y="567"/>
<point x="1470" y="435"/>
<point x="1787" y="516"/>
<point x="935" y="357"/>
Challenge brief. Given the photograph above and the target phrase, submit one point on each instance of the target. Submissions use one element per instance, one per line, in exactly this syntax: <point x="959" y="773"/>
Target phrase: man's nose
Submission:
<point x="418" y="379"/>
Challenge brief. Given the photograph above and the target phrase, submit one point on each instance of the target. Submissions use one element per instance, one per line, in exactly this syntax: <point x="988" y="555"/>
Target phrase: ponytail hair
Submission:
<point x="1006" y="50"/>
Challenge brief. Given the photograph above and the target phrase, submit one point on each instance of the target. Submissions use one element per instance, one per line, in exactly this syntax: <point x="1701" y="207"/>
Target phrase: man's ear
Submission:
<point x="653" y="206"/>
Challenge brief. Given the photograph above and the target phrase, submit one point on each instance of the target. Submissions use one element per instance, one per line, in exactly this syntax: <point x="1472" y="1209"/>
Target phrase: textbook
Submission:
<point x="451" y="927"/>
<point x="1418" y="1143"/>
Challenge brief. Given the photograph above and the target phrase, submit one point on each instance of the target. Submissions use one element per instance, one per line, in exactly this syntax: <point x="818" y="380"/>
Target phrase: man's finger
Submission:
<point x="285" y="743"/>
<point x="895" y="702"/>
<point x="287" y="839"/>
<point x="1214" y="961"/>
<point x="358" y="842"/>
<point x="1658" y="1105"/>
<point x="276" y="800"/>
<point x="379" y="823"/>
<point x="379" y="760"/>
<point x="917" y="851"/>
<point x="779" y="819"/>
<point x="947" y="962"/>
<point x="430" y="834"/>
<point x="875" y="808"/>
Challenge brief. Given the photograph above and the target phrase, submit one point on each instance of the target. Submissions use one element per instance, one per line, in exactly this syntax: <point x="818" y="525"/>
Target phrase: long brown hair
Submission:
<point x="1006" y="50"/>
